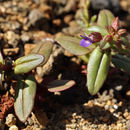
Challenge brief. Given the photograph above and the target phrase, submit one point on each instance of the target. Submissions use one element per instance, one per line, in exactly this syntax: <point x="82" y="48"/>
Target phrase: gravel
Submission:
<point x="23" y="24"/>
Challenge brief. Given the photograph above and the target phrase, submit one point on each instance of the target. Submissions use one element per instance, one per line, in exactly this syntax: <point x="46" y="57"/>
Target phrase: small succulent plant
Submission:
<point x="103" y="42"/>
<point x="18" y="73"/>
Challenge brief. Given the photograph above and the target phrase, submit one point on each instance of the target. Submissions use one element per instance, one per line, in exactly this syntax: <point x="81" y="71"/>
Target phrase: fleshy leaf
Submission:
<point x="1" y="58"/>
<point x="60" y="85"/>
<point x="99" y="29"/>
<point x="122" y="62"/>
<point x="44" y="48"/>
<point x="105" y="18"/>
<point x="97" y="70"/>
<point x="72" y="44"/>
<point x="105" y="45"/>
<point x="93" y="19"/>
<point x="27" y="63"/>
<point x="24" y="97"/>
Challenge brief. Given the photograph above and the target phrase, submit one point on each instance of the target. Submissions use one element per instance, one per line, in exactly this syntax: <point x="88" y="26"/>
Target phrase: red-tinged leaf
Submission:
<point x="27" y="63"/>
<point x="44" y="48"/>
<point x="105" y="18"/>
<point x="24" y="97"/>
<point x="72" y="44"/>
<point x="60" y="85"/>
<point x="99" y="29"/>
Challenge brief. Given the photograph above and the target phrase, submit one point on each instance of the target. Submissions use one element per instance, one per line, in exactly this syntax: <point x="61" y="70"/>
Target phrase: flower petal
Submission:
<point x="85" y="37"/>
<point x="85" y="43"/>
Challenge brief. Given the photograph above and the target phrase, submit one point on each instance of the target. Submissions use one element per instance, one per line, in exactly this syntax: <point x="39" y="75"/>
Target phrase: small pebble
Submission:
<point x="10" y="120"/>
<point x="13" y="127"/>
<point x="115" y="106"/>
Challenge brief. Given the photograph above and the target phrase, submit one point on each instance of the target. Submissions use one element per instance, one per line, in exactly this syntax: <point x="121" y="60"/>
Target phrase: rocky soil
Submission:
<point x="22" y="26"/>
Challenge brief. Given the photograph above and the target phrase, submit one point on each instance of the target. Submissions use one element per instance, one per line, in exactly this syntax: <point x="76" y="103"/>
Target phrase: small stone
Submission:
<point x="28" y="48"/>
<point x="34" y="16"/>
<point x="25" y="37"/>
<point x="13" y="127"/>
<point x="68" y="18"/>
<point x="109" y="103"/>
<point x="115" y="106"/>
<point x="57" y="22"/>
<point x="119" y="88"/>
<point x="120" y="103"/>
<point x="10" y="120"/>
<point x="111" y="110"/>
<point x="12" y="38"/>
<point x="72" y="126"/>
<point x="119" y="125"/>
<point x="116" y="115"/>
<point x="73" y="120"/>
<point x="106" y="107"/>
<point x="30" y="121"/>
<point x="125" y="4"/>
<point x="12" y="91"/>
<point x="128" y="93"/>
<point x="15" y="25"/>
<point x="74" y="114"/>
<point x="128" y="117"/>
<point x="90" y="104"/>
<point x="126" y="114"/>
<point x="128" y="125"/>
<point x="11" y="51"/>
<point x="85" y="128"/>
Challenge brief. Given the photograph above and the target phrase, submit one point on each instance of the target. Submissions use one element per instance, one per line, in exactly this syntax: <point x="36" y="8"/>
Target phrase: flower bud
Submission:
<point x="111" y="30"/>
<point x="117" y="36"/>
<point x="122" y="32"/>
<point x="95" y="36"/>
<point x="108" y="38"/>
<point x="115" y="23"/>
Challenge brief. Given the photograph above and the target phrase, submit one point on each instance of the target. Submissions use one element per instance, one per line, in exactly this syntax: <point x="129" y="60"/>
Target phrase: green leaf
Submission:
<point x="1" y="59"/>
<point x="122" y="62"/>
<point x="60" y="85"/>
<point x="44" y="48"/>
<point x="27" y="63"/>
<point x="93" y="19"/>
<point x="72" y="44"/>
<point x="25" y="91"/>
<point x="97" y="70"/>
<point x="99" y="29"/>
<point x="105" y="45"/>
<point x="105" y="18"/>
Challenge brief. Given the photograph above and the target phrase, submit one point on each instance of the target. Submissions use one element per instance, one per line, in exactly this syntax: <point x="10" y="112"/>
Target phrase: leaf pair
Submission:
<point x="99" y="61"/>
<point x="25" y="90"/>
<point x="97" y="69"/>
<point x="38" y="56"/>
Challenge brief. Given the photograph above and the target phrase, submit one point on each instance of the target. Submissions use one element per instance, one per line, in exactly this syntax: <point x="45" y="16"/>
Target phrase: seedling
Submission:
<point x="19" y="72"/>
<point x="102" y="42"/>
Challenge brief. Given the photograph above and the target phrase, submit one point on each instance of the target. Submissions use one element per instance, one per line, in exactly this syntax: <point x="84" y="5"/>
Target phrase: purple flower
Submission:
<point x="86" y="41"/>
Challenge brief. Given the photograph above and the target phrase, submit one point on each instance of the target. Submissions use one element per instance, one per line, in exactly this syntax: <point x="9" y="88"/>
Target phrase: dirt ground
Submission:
<point x="25" y="23"/>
